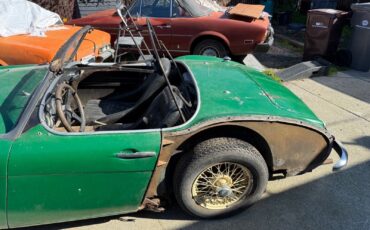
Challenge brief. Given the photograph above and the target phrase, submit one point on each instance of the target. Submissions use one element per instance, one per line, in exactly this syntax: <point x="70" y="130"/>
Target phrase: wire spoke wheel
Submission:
<point x="220" y="176"/>
<point x="222" y="185"/>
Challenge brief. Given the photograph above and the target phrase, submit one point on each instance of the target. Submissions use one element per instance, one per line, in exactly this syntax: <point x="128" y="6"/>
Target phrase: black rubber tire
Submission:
<point x="210" y="152"/>
<point x="213" y="44"/>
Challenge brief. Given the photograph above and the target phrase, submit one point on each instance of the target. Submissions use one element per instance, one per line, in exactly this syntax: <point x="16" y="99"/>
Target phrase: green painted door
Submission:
<point x="4" y="150"/>
<point x="55" y="178"/>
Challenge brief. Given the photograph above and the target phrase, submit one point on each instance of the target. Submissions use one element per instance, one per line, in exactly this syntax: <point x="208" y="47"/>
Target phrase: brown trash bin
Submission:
<point x="323" y="32"/>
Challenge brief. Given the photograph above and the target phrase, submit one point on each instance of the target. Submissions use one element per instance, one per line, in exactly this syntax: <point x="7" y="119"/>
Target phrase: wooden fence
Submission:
<point x="75" y="8"/>
<point x="65" y="8"/>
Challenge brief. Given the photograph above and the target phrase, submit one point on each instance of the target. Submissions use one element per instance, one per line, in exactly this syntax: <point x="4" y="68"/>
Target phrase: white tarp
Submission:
<point x="24" y="17"/>
<point x="211" y="4"/>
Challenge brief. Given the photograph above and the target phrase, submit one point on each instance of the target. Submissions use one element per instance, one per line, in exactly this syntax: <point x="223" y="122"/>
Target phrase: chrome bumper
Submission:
<point x="343" y="155"/>
<point x="265" y="46"/>
<point x="106" y="54"/>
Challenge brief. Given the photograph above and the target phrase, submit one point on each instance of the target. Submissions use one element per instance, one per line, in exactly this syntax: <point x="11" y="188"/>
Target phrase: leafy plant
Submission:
<point x="272" y="74"/>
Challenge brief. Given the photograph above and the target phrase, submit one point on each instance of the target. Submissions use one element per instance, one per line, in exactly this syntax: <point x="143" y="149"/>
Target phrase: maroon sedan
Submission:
<point x="186" y="27"/>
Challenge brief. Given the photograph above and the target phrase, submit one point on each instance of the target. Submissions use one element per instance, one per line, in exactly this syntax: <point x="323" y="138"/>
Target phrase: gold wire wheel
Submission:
<point x="222" y="185"/>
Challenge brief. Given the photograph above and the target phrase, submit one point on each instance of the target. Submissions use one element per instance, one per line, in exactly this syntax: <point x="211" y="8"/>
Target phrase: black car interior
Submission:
<point x="102" y="99"/>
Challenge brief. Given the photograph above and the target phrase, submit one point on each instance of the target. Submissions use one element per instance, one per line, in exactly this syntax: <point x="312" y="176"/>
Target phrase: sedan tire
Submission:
<point x="210" y="47"/>
<point x="219" y="177"/>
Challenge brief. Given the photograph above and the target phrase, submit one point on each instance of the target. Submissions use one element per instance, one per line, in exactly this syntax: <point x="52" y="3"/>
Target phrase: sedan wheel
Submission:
<point x="219" y="177"/>
<point x="209" y="51"/>
<point x="210" y="47"/>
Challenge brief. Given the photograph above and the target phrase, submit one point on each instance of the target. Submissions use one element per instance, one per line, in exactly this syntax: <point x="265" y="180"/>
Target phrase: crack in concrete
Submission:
<point x="341" y="107"/>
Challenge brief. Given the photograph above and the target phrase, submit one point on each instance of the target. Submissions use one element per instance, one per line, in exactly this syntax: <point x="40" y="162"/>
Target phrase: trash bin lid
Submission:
<point x="329" y="12"/>
<point x="361" y="6"/>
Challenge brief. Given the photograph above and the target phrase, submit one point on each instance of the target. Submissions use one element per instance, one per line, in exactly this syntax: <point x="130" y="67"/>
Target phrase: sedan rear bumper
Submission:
<point x="265" y="46"/>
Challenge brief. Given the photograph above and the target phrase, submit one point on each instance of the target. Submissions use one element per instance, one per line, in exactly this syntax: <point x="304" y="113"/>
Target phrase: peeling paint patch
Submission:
<point x="240" y="101"/>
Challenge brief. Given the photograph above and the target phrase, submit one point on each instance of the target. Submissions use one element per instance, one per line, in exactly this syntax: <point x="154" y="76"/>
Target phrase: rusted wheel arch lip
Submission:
<point x="251" y="118"/>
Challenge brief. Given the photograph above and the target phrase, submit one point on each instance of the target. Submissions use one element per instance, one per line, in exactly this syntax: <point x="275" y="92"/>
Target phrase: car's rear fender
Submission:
<point x="288" y="146"/>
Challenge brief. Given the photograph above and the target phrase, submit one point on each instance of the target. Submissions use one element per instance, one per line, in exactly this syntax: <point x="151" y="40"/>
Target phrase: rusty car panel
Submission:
<point x="294" y="147"/>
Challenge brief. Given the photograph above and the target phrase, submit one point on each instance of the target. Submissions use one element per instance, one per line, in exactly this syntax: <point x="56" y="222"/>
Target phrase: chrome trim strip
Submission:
<point x="342" y="153"/>
<point x="181" y="35"/>
<point x="180" y="51"/>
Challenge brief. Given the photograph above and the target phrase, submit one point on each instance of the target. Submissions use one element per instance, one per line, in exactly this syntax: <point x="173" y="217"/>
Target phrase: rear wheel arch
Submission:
<point x="232" y="131"/>
<point x="229" y="131"/>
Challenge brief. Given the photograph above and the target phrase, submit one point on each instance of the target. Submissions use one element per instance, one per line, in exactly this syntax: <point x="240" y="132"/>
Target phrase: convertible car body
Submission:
<point x="85" y="140"/>
<point x="186" y="27"/>
<point x="25" y="49"/>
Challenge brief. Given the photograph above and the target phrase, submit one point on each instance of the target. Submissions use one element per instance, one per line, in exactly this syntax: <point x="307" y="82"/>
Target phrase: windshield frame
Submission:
<point x="194" y="11"/>
<point x="61" y="59"/>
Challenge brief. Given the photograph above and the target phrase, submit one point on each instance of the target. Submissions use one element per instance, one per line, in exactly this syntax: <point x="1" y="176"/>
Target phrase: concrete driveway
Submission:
<point x="318" y="200"/>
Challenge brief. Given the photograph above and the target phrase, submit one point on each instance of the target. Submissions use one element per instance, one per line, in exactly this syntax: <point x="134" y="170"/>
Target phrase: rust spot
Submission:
<point x="160" y="163"/>
<point x="166" y="142"/>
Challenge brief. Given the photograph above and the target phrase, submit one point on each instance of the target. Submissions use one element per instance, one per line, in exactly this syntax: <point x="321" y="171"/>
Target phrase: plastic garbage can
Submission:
<point x="323" y="32"/>
<point x="324" y="4"/>
<point x="360" y="43"/>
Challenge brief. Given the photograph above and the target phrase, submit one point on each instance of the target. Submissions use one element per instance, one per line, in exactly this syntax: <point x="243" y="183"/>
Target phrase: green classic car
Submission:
<point x="80" y="141"/>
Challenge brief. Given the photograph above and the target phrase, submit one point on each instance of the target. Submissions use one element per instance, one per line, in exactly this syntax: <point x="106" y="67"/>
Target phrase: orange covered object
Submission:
<point x="25" y="49"/>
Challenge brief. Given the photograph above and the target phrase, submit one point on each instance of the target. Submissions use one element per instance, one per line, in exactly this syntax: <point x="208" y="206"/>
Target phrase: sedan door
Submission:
<point x="159" y="13"/>
<point x="55" y="177"/>
<point x="184" y="28"/>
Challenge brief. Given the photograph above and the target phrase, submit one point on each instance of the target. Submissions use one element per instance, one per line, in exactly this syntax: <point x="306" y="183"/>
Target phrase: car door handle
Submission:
<point x="136" y="155"/>
<point x="165" y="26"/>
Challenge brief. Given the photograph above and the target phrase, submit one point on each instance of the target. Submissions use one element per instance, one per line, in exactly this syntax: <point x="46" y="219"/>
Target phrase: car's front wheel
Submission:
<point x="210" y="47"/>
<point x="219" y="177"/>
